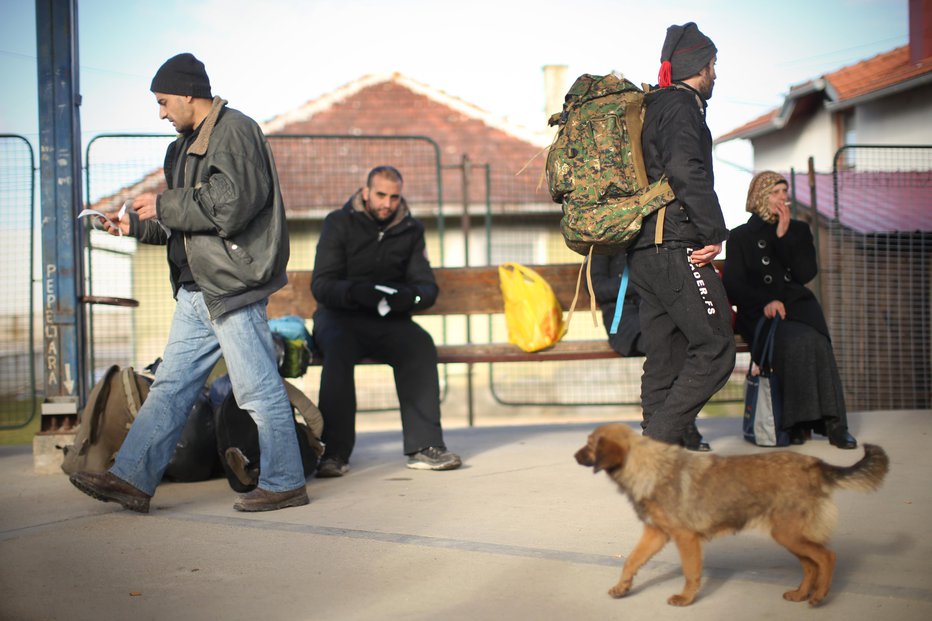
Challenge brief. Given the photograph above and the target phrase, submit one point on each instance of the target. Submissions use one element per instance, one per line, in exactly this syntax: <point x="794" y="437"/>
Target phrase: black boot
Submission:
<point x="838" y="436"/>
<point x="692" y="440"/>
<point x="799" y="434"/>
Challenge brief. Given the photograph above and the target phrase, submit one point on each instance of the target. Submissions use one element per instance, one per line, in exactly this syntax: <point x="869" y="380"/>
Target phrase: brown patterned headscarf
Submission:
<point x="759" y="194"/>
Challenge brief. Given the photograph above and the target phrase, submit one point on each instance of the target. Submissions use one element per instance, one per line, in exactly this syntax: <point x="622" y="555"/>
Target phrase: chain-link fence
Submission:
<point x="877" y="275"/>
<point x="317" y="173"/>
<point x="18" y="372"/>
<point x="473" y="213"/>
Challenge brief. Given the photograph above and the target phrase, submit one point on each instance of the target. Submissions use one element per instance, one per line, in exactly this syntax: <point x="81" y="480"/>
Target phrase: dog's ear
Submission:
<point x="609" y="455"/>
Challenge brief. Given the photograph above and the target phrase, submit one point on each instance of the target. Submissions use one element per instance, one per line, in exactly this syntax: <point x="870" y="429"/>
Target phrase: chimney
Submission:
<point x="555" y="88"/>
<point x="920" y="30"/>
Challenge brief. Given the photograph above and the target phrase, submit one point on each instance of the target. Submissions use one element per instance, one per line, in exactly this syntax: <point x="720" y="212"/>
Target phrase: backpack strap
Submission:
<point x="620" y="301"/>
<point x="312" y="421"/>
<point x="131" y="392"/>
<point x="96" y="402"/>
<point x="587" y="266"/>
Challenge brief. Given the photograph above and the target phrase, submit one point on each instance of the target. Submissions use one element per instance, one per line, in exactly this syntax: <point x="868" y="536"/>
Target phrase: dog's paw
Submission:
<point x="680" y="600"/>
<point x="620" y="590"/>
<point x="795" y="596"/>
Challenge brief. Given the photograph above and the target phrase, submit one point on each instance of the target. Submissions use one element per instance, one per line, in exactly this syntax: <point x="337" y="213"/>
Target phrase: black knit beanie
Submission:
<point x="182" y="75"/>
<point x="685" y="52"/>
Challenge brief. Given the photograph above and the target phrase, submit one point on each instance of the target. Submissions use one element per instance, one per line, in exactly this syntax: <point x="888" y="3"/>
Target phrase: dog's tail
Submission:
<point x="864" y="476"/>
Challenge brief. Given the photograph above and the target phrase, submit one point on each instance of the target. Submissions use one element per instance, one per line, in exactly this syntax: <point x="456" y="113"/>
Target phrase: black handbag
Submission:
<point x="763" y="402"/>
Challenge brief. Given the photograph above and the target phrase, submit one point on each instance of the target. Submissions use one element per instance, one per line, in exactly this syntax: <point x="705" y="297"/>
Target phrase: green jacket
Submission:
<point x="228" y="205"/>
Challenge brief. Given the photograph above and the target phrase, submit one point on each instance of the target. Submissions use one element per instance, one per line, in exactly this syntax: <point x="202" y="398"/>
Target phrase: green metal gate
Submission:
<point x="18" y="387"/>
<point x="318" y="173"/>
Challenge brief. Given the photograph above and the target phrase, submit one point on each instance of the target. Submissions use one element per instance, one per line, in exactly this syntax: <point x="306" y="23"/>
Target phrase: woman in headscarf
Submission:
<point x="769" y="260"/>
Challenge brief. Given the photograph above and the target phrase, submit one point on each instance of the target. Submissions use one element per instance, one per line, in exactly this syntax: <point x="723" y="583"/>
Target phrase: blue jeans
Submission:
<point x="195" y="344"/>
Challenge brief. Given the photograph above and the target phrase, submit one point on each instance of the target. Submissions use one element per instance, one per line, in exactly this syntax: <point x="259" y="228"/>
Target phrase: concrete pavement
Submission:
<point x="520" y="532"/>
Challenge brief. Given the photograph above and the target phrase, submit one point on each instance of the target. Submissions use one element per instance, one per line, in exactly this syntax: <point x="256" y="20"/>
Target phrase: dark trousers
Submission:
<point x="346" y="338"/>
<point x="686" y="336"/>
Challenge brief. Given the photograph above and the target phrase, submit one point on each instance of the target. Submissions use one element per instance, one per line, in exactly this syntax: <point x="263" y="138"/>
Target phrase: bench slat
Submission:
<point x="474" y="353"/>
<point x="473" y="291"/>
<point x="463" y="291"/>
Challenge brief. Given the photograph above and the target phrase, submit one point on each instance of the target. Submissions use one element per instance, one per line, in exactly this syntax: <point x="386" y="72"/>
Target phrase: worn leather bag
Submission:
<point x="104" y="422"/>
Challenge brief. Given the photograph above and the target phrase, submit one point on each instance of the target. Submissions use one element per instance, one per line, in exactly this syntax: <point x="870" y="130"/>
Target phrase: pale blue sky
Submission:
<point x="269" y="57"/>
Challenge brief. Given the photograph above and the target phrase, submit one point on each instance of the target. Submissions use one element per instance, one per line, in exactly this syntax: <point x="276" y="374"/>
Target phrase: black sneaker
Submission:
<point x="434" y="458"/>
<point x="331" y="467"/>
<point x="693" y="441"/>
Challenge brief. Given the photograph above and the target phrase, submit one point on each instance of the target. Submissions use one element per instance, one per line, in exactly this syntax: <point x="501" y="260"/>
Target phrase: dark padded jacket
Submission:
<point x="352" y="248"/>
<point x="228" y="205"/>
<point x="677" y="143"/>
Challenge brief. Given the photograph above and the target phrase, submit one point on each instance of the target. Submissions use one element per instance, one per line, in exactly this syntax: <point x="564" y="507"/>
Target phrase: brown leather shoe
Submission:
<point x="263" y="500"/>
<point x="110" y="488"/>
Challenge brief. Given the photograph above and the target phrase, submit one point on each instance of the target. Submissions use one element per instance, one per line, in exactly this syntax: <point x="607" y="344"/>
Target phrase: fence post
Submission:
<point x="817" y="284"/>
<point x="62" y="238"/>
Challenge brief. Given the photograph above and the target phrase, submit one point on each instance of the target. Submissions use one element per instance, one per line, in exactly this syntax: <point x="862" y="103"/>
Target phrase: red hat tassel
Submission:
<point x="664" y="78"/>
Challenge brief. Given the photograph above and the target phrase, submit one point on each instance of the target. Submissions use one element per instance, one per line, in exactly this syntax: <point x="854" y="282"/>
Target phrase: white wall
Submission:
<point x="905" y="118"/>
<point x="792" y="147"/>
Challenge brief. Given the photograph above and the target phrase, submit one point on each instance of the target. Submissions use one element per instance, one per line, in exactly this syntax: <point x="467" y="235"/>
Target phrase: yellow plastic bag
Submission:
<point x="533" y="314"/>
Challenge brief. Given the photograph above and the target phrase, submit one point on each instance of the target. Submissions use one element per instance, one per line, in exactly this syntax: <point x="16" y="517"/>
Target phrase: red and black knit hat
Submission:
<point x="685" y="52"/>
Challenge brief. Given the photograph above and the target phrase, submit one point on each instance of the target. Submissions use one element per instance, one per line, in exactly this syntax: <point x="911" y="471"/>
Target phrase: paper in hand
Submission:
<point x="94" y="212"/>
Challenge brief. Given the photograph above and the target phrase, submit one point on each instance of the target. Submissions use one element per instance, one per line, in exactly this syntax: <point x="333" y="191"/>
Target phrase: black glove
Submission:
<point x="365" y="295"/>
<point x="403" y="300"/>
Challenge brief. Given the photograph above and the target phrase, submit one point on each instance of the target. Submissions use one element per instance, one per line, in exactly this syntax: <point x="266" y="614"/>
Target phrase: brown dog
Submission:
<point x="691" y="497"/>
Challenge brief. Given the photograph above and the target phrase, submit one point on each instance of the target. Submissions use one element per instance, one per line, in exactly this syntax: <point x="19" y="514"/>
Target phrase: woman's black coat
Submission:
<point x="760" y="268"/>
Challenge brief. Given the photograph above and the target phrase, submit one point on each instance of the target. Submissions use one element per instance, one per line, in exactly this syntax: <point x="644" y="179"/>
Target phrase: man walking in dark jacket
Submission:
<point x="371" y="271"/>
<point x="223" y="221"/>
<point x="684" y="312"/>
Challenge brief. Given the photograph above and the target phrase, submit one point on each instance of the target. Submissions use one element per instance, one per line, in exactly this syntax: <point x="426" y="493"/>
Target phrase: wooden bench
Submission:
<point x="470" y="291"/>
<point x="475" y="291"/>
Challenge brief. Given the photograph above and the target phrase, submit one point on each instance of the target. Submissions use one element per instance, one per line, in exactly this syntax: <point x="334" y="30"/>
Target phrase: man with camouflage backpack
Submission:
<point x="684" y="311"/>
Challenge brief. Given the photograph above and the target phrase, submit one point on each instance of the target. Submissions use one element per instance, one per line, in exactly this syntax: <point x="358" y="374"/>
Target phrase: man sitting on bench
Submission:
<point x="371" y="271"/>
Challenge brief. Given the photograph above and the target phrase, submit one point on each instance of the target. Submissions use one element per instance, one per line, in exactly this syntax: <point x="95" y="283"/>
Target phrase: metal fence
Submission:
<point x="877" y="275"/>
<point x="474" y="215"/>
<point x="875" y="238"/>
<point x="317" y="173"/>
<point x="18" y="386"/>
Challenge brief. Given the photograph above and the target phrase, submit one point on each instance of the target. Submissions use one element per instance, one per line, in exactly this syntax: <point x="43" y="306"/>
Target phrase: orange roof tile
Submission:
<point x="842" y="87"/>
<point x="394" y="105"/>
<point x="877" y="73"/>
<point x="749" y="127"/>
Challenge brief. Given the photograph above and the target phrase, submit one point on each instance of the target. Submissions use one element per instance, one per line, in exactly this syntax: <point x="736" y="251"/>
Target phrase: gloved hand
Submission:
<point x="365" y="295"/>
<point x="403" y="300"/>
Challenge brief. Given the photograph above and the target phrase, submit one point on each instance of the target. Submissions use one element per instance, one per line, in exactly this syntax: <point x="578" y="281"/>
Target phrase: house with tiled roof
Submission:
<point x="884" y="100"/>
<point x="398" y="109"/>
<point x="473" y="178"/>
<point x="395" y="106"/>
<point x="456" y="158"/>
<point x="866" y="128"/>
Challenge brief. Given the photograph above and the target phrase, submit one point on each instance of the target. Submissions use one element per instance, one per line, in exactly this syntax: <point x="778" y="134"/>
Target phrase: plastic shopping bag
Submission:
<point x="533" y="314"/>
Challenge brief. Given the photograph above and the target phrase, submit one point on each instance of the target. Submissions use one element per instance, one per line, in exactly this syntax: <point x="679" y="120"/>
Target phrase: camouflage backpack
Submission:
<point x="595" y="166"/>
